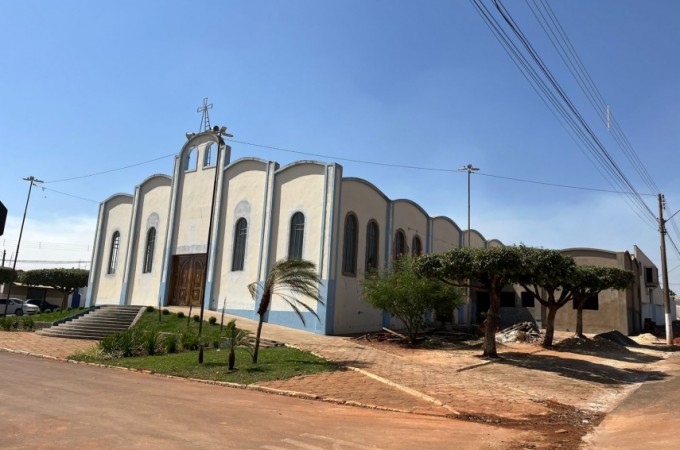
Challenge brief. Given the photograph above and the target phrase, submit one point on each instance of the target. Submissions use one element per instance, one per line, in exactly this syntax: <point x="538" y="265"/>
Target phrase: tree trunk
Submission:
<point x="232" y="359"/>
<point x="491" y="325"/>
<point x="550" y="326"/>
<point x="64" y="301"/>
<point x="257" y="338"/>
<point x="579" y="319"/>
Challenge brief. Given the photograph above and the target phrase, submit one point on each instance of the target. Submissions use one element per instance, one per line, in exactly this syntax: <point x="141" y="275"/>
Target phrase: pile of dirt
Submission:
<point x="648" y="339"/>
<point x="520" y="332"/>
<point x="596" y="345"/>
<point x="618" y="337"/>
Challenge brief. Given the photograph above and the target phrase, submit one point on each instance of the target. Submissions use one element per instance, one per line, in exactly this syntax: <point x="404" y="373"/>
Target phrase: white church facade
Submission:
<point x="152" y="247"/>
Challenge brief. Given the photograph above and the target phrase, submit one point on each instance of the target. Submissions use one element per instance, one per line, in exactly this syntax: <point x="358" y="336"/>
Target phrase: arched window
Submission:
<point x="416" y="246"/>
<point x="297" y="234"/>
<point x="208" y="156"/>
<point x="113" y="257"/>
<point x="148" y="254"/>
<point x="240" y="233"/>
<point x="349" y="251"/>
<point x="372" y="245"/>
<point x="399" y="244"/>
<point x="191" y="159"/>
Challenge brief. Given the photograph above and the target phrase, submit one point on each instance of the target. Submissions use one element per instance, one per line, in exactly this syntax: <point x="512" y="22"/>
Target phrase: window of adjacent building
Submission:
<point x="239" y="256"/>
<point x="297" y="234"/>
<point x="148" y="253"/>
<point x="208" y="156"/>
<point x="113" y="257"/>
<point x="528" y="299"/>
<point x="191" y="160"/>
<point x="349" y="251"/>
<point x="372" y="245"/>
<point x="507" y="299"/>
<point x="399" y="244"/>
<point x="416" y="246"/>
<point x="649" y="275"/>
<point x="591" y="302"/>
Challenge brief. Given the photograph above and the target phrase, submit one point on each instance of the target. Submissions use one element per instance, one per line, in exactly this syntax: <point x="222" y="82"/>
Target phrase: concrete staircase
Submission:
<point x="95" y="324"/>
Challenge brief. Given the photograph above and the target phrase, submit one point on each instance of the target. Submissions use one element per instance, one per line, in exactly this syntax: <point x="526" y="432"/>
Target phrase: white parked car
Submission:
<point x="17" y="307"/>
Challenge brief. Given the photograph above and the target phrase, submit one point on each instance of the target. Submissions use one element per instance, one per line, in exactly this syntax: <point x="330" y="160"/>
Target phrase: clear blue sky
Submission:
<point x="91" y="86"/>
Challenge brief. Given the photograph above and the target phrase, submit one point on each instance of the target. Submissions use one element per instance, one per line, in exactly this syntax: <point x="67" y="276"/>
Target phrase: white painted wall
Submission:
<point x="117" y="217"/>
<point x="154" y="204"/>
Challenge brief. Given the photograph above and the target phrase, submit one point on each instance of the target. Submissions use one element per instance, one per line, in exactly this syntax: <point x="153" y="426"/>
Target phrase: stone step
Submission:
<point x="96" y="324"/>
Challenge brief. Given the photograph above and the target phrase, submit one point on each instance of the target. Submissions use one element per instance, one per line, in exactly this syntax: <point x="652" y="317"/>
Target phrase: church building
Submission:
<point x="153" y="247"/>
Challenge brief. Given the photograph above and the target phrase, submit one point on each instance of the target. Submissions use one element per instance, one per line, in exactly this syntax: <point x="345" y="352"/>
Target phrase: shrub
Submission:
<point x="122" y="344"/>
<point x="171" y="342"/>
<point x="150" y="309"/>
<point x="27" y="323"/>
<point x="212" y="320"/>
<point x="6" y="323"/>
<point x="15" y="323"/>
<point x="69" y="309"/>
<point x="180" y="315"/>
<point x="152" y="342"/>
<point x="190" y="340"/>
<point x="166" y="312"/>
<point x="196" y="318"/>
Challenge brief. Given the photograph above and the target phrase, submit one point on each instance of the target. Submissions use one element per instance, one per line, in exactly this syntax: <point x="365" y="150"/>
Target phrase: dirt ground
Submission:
<point x="558" y="394"/>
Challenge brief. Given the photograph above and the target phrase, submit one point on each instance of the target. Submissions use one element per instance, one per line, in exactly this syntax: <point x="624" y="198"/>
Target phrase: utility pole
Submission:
<point x="469" y="169"/>
<point x="664" y="272"/>
<point x="31" y="181"/>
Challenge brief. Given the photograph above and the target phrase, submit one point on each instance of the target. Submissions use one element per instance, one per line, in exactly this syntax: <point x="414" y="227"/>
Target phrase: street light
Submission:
<point x="32" y="180"/>
<point x="469" y="169"/>
<point x="664" y="272"/>
<point x="217" y="132"/>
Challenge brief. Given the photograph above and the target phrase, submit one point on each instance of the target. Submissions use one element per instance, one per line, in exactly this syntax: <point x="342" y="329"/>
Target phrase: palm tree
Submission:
<point x="236" y="337"/>
<point x="288" y="278"/>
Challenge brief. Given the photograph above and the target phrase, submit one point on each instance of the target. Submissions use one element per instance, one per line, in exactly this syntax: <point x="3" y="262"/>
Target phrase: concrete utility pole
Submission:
<point x="469" y="169"/>
<point x="31" y="181"/>
<point x="664" y="272"/>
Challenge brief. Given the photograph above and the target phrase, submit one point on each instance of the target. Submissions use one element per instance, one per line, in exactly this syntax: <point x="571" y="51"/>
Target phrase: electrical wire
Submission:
<point x="80" y="177"/>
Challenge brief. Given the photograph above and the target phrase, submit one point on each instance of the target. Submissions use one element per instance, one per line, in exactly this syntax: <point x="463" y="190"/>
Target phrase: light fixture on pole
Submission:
<point x="469" y="169"/>
<point x="32" y="180"/>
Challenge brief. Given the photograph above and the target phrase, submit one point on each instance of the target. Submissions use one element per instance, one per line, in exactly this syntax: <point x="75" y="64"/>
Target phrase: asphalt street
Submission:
<point x="55" y="404"/>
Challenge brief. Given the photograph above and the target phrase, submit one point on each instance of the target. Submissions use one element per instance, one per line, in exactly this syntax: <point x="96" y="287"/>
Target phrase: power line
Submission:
<point x="69" y="195"/>
<point x="110" y="170"/>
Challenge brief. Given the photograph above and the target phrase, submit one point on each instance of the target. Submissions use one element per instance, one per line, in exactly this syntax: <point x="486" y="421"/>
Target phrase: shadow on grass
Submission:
<point x="579" y="369"/>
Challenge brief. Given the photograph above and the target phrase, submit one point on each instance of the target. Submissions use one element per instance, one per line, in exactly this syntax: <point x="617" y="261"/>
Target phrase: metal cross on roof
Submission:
<point x="205" y="118"/>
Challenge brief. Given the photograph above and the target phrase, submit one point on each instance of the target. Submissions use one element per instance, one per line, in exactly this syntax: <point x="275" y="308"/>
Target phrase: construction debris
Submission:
<point x="520" y="332"/>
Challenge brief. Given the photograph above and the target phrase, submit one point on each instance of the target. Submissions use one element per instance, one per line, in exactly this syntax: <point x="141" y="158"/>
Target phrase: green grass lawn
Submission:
<point x="276" y="363"/>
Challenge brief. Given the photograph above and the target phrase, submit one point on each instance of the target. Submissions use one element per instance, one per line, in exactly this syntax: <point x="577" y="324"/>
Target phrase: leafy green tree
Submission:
<point x="7" y="275"/>
<point x="65" y="281"/>
<point x="486" y="269"/>
<point x="402" y="293"/>
<point x="548" y="275"/>
<point x="288" y="278"/>
<point x="236" y="338"/>
<point x="590" y="281"/>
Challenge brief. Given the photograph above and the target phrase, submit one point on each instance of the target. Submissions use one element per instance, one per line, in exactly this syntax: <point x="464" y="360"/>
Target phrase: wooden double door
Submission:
<point x="188" y="279"/>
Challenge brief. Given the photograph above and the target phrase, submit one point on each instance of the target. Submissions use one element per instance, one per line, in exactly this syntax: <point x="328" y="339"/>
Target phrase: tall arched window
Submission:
<point x="297" y="234"/>
<point x="349" y="251"/>
<point x="113" y="257"/>
<point x="240" y="233"/>
<point x="416" y="246"/>
<point x="148" y="254"/>
<point x="208" y="156"/>
<point x="191" y="159"/>
<point x="372" y="245"/>
<point x="399" y="244"/>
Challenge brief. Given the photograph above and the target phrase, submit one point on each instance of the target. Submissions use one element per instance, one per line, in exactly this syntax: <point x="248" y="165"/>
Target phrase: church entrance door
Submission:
<point x="188" y="279"/>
